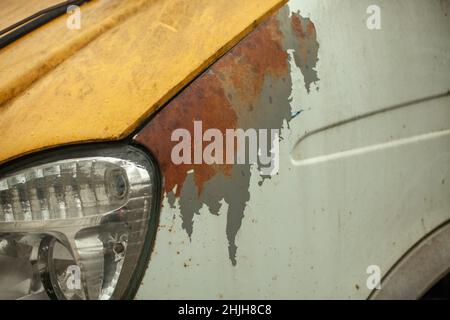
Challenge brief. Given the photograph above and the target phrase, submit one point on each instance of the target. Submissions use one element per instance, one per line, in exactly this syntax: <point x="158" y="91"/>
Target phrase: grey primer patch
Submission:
<point x="171" y="199"/>
<point x="272" y="109"/>
<point x="234" y="190"/>
<point x="189" y="203"/>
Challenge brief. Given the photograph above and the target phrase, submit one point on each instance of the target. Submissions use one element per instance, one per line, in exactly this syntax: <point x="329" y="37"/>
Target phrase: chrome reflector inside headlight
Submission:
<point x="75" y="226"/>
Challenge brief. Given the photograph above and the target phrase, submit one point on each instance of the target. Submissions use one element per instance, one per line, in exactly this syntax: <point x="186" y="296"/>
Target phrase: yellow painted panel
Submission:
<point x="102" y="81"/>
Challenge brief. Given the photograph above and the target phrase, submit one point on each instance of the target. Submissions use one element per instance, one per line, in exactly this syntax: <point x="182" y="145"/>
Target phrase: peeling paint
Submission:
<point x="249" y="87"/>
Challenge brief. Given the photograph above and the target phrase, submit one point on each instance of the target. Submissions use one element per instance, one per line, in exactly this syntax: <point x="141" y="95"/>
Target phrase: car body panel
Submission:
<point x="362" y="176"/>
<point x="101" y="82"/>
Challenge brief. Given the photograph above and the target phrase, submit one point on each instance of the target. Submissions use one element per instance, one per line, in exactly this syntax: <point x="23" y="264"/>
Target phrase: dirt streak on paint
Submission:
<point x="247" y="88"/>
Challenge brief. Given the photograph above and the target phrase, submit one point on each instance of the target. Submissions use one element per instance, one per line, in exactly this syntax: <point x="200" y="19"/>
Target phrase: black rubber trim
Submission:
<point x="25" y="26"/>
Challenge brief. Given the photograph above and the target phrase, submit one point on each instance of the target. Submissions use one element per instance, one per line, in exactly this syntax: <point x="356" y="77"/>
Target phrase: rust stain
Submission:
<point x="203" y="101"/>
<point x="259" y="55"/>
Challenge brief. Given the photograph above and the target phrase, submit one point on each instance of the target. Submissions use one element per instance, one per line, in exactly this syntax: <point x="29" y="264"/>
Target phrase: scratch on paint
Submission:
<point x="297" y="113"/>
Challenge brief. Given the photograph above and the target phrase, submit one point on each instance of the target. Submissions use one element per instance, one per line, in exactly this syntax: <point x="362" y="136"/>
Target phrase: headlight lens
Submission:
<point x="75" y="228"/>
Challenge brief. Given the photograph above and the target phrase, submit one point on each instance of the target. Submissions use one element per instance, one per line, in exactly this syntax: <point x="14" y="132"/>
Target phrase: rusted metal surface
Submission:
<point x="247" y="88"/>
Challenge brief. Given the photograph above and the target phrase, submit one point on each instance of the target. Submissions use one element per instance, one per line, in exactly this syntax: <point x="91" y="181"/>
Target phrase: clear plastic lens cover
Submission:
<point x="74" y="226"/>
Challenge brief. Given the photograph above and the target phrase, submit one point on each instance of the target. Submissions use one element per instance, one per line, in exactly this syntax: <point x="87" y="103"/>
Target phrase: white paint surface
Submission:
<point x="312" y="231"/>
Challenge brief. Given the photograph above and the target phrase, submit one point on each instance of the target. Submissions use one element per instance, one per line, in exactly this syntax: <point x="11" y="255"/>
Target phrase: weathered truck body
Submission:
<point x="360" y="112"/>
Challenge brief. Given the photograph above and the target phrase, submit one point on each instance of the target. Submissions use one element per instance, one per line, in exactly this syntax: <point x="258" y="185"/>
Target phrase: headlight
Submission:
<point x="76" y="226"/>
